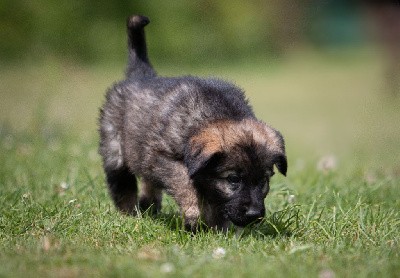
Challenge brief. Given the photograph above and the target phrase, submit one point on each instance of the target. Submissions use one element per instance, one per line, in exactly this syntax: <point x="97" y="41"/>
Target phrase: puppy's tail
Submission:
<point x="138" y="62"/>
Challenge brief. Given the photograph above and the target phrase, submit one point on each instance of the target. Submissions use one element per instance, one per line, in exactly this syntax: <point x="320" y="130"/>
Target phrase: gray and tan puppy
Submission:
<point x="196" y="139"/>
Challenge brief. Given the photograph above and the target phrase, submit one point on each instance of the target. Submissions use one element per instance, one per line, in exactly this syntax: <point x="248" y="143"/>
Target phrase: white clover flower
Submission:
<point x="167" y="268"/>
<point x="219" y="253"/>
<point x="370" y="178"/>
<point x="64" y="185"/>
<point x="291" y="199"/>
<point x="326" y="273"/>
<point x="46" y="244"/>
<point x="327" y="163"/>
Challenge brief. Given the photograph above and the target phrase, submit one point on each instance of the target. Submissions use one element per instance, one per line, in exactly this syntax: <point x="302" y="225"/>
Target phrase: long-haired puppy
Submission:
<point x="196" y="139"/>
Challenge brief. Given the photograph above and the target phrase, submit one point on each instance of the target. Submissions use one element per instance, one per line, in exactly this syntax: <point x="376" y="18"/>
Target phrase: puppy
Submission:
<point x="196" y="139"/>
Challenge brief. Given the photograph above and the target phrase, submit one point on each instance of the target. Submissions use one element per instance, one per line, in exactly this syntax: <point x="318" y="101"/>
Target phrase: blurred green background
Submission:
<point x="324" y="73"/>
<point x="313" y="69"/>
<point x="181" y="31"/>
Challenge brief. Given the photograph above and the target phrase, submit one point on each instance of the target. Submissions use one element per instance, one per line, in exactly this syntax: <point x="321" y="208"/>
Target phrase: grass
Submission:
<point x="337" y="220"/>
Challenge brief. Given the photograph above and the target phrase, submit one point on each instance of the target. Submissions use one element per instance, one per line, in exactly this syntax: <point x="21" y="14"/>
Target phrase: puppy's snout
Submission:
<point x="255" y="213"/>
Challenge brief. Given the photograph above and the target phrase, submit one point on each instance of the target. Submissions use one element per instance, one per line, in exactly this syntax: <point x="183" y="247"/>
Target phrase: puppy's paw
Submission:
<point x="192" y="219"/>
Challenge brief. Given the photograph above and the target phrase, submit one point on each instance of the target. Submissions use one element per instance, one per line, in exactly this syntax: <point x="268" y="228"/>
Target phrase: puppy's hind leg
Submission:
<point x="123" y="189"/>
<point x="150" y="196"/>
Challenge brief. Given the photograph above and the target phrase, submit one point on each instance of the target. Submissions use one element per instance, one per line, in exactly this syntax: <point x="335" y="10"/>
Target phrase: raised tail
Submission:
<point x="138" y="62"/>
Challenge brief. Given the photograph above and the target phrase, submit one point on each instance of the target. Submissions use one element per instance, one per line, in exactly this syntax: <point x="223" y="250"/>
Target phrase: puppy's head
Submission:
<point x="231" y="164"/>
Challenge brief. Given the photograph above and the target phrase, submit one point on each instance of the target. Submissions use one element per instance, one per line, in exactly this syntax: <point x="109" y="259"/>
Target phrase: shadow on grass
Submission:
<point x="280" y="223"/>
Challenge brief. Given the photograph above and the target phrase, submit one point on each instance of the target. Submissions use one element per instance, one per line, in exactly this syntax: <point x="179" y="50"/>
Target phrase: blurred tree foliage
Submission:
<point x="181" y="30"/>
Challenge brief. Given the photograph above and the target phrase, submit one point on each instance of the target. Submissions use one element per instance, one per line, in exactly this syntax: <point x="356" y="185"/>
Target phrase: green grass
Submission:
<point x="56" y="218"/>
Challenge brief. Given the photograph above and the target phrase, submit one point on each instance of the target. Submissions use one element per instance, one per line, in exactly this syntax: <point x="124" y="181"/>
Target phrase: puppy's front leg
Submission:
<point x="175" y="177"/>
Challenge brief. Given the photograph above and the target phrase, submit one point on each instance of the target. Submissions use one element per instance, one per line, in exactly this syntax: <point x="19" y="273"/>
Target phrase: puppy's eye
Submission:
<point x="233" y="179"/>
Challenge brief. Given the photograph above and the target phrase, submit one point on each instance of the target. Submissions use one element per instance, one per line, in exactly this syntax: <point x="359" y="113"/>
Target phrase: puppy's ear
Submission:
<point x="276" y="144"/>
<point x="202" y="150"/>
<point x="199" y="160"/>
<point x="280" y="162"/>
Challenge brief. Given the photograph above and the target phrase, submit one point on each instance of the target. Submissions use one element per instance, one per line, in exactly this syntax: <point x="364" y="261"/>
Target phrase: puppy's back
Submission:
<point x="168" y="111"/>
<point x="146" y="115"/>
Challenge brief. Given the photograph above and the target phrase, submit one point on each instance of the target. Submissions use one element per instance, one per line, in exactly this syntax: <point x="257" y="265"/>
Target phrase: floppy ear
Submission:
<point x="276" y="144"/>
<point x="280" y="162"/>
<point x="202" y="149"/>
<point x="198" y="159"/>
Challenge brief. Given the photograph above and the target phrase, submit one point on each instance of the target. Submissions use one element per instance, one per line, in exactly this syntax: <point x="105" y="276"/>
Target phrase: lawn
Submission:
<point x="336" y="214"/>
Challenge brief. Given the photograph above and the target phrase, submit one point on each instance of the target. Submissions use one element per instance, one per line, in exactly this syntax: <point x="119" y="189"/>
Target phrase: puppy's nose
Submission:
<point x="254" y="213"/>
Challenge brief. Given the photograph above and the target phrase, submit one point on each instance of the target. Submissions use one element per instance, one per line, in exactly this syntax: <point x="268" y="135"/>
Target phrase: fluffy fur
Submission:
<point x="196" y="139"/>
